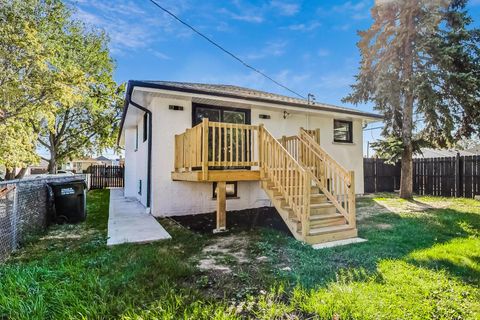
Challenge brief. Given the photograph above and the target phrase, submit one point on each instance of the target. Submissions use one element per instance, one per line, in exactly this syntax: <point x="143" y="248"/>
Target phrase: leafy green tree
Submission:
<point x="57" y="87"/>
<point x="420" y="67"/>
<point x="25" y="79"/>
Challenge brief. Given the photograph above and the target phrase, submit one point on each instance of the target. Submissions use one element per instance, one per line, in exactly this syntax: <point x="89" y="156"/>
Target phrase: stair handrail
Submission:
<point x="287" y="175"/>
<point x="336" y="182"/>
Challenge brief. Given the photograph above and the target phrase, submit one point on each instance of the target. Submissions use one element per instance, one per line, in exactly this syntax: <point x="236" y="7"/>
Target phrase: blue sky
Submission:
<point x="310" y="46"/>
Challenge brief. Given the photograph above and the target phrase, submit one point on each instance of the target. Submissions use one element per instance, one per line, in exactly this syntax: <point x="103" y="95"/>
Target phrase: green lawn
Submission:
<point x="421" y="261"/>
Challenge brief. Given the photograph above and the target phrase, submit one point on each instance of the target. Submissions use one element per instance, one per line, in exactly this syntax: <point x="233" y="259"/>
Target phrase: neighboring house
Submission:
<point x="475" y="150"/>
<point x="441" y="153"/>
<point x="81" y="165"/>
<point x="104" y="160"/>
<point x="189" y="146"/>
<point x="40" y="168"/>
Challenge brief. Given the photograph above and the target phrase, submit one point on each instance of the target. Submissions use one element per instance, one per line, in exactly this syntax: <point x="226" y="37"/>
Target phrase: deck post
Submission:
<point x="205" y="149"/>
<point x="317" y="135"/>
<point x="351" y="200"/>
<point x="221" y="207"/>
<point x="261" y="155"/>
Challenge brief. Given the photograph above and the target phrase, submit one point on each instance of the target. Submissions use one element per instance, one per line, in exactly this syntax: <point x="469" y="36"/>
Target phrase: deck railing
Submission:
<point x="337" y="183"/>
<point x="288" y="177"/>
<point x="216" y="145"/>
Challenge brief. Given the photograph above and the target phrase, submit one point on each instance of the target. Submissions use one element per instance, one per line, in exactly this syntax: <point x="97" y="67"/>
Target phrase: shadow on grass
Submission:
<point x="411" y="237"/>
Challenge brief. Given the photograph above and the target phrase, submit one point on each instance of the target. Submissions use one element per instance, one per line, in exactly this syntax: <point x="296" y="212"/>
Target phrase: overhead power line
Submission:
<point x="225" y="50"/>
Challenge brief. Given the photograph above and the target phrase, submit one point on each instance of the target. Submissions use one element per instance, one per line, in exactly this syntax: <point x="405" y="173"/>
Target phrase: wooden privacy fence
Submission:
<point x="102" y="176"/>
<point x="445" y="176"/>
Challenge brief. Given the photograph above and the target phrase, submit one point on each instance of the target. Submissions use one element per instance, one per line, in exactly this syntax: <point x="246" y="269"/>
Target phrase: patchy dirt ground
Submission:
<point x="229" y="260"/>
<point x="224" y="252"/>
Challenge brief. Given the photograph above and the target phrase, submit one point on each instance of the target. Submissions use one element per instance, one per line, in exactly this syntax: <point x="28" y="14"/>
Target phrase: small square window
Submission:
<point x="231" y="190"/>
<point x="342" y="131"/>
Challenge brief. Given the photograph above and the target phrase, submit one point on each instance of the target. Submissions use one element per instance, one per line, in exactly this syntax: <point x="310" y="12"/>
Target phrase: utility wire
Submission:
<point x="226" y="51"/>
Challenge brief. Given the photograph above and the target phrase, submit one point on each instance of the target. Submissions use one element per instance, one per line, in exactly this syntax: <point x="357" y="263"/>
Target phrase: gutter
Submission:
<point x="128" y="101"/>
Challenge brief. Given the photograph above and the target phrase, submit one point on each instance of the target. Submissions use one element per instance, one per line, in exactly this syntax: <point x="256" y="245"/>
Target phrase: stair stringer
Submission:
<point x="284" y="213"/>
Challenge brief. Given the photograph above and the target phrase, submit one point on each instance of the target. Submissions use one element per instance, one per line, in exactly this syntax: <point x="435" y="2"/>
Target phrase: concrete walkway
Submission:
<point x="128" y="222"/>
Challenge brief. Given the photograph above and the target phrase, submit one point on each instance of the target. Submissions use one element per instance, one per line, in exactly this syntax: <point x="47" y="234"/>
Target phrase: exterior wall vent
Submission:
<point x="176" y="108"/>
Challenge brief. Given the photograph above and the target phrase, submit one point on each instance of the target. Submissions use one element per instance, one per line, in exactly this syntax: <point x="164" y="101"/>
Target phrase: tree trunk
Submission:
<point x="9" y="174"/>
<point x="406" y="178"/>
<point x="52" y="164"/>
<point x="21" y="173"/>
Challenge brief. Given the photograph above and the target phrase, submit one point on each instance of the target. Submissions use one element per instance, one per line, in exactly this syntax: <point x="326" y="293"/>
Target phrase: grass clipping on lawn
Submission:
<point x="422" y="261"/>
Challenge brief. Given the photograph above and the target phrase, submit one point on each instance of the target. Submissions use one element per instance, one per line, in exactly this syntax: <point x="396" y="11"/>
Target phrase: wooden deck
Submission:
<point x="312" y="192"/>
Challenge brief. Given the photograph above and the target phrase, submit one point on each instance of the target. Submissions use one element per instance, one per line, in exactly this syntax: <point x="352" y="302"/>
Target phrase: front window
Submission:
<point x="342" y="131"/>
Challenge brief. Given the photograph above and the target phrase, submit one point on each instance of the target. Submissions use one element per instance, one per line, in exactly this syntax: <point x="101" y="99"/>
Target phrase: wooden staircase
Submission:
<point x="312" y="192"/>
<point x="323" y="220"/>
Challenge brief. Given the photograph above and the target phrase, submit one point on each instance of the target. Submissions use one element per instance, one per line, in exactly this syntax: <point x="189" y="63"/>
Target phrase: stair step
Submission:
<point x="322" y="208"/>
<point x="326" y="217"/>
<point x="337" y="221"/>
<point x="331" y="236"/>
<point x="331" y="229"/>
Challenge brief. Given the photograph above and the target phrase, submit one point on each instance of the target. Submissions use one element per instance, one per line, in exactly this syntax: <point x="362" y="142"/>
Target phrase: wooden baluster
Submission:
<point x="205" y="149"/>
<point x="236" y="146"/>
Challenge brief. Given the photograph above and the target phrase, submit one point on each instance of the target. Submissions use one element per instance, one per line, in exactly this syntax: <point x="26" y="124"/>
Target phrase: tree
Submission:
<point x="89" y="126"/>
<point x="26" y="83"/>
<point x="57" y="86"/>
<point x="420" y="67"/>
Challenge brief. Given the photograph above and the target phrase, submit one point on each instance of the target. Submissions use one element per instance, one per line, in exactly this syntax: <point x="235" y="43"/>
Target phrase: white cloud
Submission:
<point x="305" y="27"/>
<point x="130" y="25"/>
<point x="355" y="10"/>
<point x="271" y="49"/>
<point x="286" y="9"/>
<point x="323" y="52"/>
<point x="247" y="17"/>
<point x="244" y="12"/>
<point x="159" y="54"/>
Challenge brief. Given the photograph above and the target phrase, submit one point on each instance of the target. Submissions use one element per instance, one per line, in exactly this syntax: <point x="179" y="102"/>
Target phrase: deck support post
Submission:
<point x="205" y="148"/>
<point x="351" y="204"/>
<point x="221" y="207"/>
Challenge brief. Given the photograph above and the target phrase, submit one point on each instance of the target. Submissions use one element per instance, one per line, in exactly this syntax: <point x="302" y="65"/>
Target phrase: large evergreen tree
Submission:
<point x="420" y="66"/>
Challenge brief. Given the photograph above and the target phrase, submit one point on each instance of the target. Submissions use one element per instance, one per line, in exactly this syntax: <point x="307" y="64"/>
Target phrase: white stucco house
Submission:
<point x="195" y="148"/>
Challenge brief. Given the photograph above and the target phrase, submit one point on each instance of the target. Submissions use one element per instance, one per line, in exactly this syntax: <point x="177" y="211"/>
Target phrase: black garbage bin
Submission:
<point x="68" y="201"/>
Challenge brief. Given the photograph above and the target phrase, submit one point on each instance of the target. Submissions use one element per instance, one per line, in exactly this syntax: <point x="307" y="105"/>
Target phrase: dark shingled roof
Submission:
<point x="231" y="91"/>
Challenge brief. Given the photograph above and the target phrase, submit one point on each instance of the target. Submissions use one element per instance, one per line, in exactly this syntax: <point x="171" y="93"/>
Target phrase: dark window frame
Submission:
<point x="247" y="113"/>
<point x="145" y="127"/>
<point x="350" y="131"/>
<point x="235" y="188"/>
<point x="195" y="105"/>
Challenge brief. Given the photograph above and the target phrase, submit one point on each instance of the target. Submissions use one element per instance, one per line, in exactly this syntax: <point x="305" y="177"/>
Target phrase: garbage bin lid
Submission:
<point x="59" y="183"/>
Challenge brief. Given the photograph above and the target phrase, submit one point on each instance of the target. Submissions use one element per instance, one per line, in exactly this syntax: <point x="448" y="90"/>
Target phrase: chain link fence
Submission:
<point x="24" y="209"/>
<point x="8" y="221"/>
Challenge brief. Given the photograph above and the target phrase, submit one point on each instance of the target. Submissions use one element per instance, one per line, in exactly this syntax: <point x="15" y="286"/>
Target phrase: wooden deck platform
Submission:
<point x="217" y="175"/>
